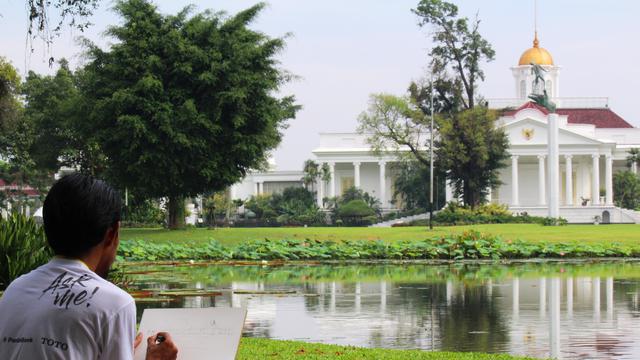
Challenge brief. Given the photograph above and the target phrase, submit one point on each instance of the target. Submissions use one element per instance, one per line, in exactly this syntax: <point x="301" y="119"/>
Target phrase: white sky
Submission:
<point x="345" y="50"/>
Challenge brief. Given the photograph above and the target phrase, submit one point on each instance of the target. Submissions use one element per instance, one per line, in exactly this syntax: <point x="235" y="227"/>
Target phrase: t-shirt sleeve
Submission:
<point x="120" y="334"/>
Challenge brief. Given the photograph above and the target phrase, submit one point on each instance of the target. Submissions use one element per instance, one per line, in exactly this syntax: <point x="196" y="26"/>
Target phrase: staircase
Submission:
<point x="632" y="215"/>
<point x="406" y="219"/>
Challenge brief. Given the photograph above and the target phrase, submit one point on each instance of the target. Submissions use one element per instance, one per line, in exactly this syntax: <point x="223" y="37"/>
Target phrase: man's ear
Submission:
<point x="112" y="236"/>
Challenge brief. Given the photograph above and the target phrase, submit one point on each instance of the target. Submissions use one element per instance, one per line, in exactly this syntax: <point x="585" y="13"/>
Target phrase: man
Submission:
<point x="65" y="309"/>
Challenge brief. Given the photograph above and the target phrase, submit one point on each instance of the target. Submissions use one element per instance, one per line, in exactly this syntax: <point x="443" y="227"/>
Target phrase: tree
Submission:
<point x="458" y="47"/>
<point x="56" y="114"/>
<point x="16" y="135"/>
<point x="10" y="107"/>
<point x="473" y="150"/>
<point x="393" y="123"/>
<point x="314" y="173"/>
<point x="633" y="159"/>
<point x="73" y="13"/>
<point x="626" y="187"/>
<point x="182" y="105"/>
<point x="411" y="186"/>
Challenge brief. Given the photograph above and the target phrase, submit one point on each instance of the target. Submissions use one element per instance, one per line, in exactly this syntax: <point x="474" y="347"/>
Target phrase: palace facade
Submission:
<point x="593" y="144"/>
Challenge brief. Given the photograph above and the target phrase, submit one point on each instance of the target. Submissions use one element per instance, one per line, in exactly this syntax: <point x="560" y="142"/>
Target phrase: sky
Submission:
<point x="343" y="51"/>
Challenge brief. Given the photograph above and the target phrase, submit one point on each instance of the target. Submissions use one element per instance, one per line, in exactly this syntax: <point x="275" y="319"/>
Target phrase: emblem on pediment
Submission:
<point x="527" y="134"/>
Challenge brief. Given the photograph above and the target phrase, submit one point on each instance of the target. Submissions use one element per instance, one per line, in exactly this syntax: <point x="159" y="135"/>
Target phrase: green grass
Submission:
<point x="284" y="350"/>
<point x="590" y="234"/>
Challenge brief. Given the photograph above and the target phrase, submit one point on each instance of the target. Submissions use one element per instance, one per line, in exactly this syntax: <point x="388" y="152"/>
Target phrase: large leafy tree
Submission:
<point x="185" y="104"/>
<point x="394" y="123"/>
<point x="10" y="107"/>
<point x="56" y="115"/>
<point x="473" y="151"/>
<point x="626" y="187"/>
<point x="457" y="52"/>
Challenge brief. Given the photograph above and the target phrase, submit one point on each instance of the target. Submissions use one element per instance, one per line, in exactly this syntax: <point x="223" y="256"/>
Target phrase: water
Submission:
<point x="578" y="310"/>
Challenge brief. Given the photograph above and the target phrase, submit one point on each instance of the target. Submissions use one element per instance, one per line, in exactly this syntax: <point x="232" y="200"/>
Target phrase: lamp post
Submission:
<point x="431" y="162"/>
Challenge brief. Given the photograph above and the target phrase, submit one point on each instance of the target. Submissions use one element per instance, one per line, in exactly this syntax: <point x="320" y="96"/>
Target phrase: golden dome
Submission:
<point x="536" y="55"/>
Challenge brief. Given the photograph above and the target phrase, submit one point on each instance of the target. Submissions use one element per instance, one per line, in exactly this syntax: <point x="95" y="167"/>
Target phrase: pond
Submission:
<point x="568" y="310"/>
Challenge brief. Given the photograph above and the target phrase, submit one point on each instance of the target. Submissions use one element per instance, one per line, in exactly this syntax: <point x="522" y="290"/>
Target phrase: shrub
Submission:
<point x="455" y="214"/>
<point x="23" y="247"/>
<point x="551" y="221"/>
<point x="356" y="213"/>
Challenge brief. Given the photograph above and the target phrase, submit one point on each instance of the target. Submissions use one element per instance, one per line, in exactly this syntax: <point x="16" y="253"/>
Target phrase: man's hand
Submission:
<point x="158" y="349"/>
<point x="137" y="341"/>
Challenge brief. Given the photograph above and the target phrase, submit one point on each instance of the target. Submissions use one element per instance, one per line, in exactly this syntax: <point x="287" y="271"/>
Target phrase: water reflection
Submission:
<point x="540" y="310"/>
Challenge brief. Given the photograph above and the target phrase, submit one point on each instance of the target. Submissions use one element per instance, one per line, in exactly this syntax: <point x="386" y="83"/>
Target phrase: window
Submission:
<point x="346" y="182"/>
<point x="523" y="89"/>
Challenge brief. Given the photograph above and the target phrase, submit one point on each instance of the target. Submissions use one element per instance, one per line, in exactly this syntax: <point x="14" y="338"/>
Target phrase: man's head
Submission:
<point x="82" y="214"/>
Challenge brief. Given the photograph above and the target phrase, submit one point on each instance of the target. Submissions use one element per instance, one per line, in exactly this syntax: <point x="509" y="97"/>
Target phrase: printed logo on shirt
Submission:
<point x="19" y="340"/>
<point x="55" y="344"/>
<point x="70" y="290"/>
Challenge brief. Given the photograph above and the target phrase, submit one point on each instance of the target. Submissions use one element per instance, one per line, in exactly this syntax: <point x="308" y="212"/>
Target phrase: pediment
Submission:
<point x="534" y="132"/>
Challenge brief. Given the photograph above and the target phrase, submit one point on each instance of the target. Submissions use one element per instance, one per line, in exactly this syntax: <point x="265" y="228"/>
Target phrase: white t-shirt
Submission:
<point x="63" y="310"/>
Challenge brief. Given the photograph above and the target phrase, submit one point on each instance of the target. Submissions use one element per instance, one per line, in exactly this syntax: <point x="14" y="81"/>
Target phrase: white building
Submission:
<point x="593" y="144"/>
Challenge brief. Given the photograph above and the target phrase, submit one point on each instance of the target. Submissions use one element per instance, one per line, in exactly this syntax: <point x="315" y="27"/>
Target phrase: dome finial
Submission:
<point x="536" y="43"/>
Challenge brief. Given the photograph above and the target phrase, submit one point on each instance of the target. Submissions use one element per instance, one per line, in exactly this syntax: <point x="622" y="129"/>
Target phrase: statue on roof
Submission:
<point x="538" y="83"/>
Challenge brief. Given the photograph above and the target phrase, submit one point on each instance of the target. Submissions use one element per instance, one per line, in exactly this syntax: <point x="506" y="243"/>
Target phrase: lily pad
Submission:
<point x="264" y="292"/>
<point x="182" y="293"/>
<point x="155" y="300"/>
<point x="138" y="294"/>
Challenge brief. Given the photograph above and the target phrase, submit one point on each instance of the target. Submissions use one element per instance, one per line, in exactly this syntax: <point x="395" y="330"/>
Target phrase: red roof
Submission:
<point x="603" y="118"/>
<point x="15" y="188"/>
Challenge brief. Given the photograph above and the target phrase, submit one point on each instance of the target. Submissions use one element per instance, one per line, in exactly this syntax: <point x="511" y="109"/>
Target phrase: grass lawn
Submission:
<point x="284" y="350"/>
<point x="623" y="234"/>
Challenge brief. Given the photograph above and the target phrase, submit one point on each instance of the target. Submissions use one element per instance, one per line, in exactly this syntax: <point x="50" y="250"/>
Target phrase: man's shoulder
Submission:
<point x="68" y="284"/>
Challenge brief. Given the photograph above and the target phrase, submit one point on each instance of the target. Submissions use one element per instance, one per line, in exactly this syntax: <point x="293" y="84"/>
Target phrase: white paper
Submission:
<point x="199" y="334"/>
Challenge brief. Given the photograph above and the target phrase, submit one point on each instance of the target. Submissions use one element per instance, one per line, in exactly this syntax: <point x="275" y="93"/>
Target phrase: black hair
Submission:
<point x="77" y="213"/>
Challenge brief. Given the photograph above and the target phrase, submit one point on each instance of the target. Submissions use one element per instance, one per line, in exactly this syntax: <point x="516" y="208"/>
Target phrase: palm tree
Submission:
<point x="311" y="174"/>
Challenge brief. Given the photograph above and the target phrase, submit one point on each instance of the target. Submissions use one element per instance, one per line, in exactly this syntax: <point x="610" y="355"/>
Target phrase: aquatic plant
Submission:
<point x="467" y="245"/>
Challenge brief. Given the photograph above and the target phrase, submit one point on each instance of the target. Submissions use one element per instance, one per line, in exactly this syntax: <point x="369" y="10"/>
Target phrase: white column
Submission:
<point x="488" y="196"/>
<point x="542" y="296"/>
<point x="554" y="318"/>
<point x="553" y="165"/>
<point x="356" y="174"/>
<point x="542" y="195"/>
<point x="608" y="179"/>
<point x="568" y="180"/>
<point x="609" y="294"/>
<point x="233" y="192"/>
<point x="596" y="298"/>
<point x="358" y="299"/>
<point x="595" y="180"/>
<point x="515" y="289"/>
<point x="256" y="188"/>
<point x="383" y="183"/>
<point x="515" y="200"/>
<point x="570" y="297"/>
<point x="383" y="297"/>
<point x="332" y="182"/>
<point x="449" y="191"/>
<point x="634" y="167"/>
<point x="260" y="187"/>
<point x="320" y="193"/>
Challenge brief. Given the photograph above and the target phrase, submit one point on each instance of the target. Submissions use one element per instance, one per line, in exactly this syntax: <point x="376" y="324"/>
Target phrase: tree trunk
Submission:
<point x="176" y="212"/>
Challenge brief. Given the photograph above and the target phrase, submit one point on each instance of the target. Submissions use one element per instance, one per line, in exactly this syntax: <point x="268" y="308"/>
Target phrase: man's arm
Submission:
<point x="119" y="334"/>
